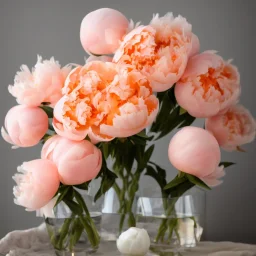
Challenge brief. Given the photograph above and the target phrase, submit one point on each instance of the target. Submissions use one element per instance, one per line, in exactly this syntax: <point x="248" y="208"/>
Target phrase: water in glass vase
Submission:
<point x="113" y="224"/>
<point x="69" y="237"/>
<point x="172" y="224"/>
<point x="168" y="233"/>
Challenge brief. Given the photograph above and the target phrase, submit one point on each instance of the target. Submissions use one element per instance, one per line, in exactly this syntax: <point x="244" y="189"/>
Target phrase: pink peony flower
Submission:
<point x="103" y="101"/>
<point x="25" y="126"/>
<point x="160" y="51"/>
<point x="37" y="183"/>
<point x="209" y="85"/>
<point x="102" y="30"/>
<point x="195" y="151"/>
<point x="42" y="84"/>
<point x="77" y="161"/>
<point x="234" y="128"/>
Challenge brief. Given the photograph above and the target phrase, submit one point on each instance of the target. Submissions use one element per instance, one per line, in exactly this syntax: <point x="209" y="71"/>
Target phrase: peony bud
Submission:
<point x="37" y="182"/>
<point x="102" y="30"/>
<point x="77" y="161"/>
<point x="134" y="241"/>
<point x="25" y="126"/>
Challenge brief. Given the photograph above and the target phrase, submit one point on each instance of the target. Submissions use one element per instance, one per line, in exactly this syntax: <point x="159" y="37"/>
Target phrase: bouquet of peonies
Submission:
<point x="139" y="84"/>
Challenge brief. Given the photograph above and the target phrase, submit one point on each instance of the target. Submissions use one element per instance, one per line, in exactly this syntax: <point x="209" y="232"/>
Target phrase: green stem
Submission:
<point x="163" y="227"/>
<point x="89" y="231"/>
<point x="87" y="221"/>
<point x="77" y="230"/>
<point x="64" y="232"/>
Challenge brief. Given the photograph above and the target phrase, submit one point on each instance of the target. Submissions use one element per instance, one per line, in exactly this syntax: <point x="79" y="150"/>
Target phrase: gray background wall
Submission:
<point x="51" y="28"/>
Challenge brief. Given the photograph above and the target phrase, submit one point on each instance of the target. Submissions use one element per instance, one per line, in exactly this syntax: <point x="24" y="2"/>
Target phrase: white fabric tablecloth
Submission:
<point x="35" y="242"/>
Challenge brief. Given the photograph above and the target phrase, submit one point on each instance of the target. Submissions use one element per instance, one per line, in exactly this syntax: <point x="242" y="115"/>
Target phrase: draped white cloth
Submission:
<point x="35" y="242"/>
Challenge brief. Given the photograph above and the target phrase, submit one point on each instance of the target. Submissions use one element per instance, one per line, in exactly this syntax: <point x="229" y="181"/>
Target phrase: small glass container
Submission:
<point x="68" y="232"/>
<point x="174" y="223"/>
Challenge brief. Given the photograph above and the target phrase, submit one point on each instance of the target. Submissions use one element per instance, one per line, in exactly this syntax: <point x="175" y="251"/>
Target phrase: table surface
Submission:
<point x="35" y="242"/>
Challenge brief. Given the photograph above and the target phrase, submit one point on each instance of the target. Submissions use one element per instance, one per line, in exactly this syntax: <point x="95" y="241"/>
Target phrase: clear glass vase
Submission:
<point x="115" y="219"/>
<point x="72" y="235"/>
<point x="173" y="224"/>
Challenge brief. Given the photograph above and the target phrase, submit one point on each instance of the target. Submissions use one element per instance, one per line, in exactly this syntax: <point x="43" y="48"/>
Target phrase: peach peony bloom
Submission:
<point x="195" y="151"/>
<point x="234" y="128"/>
<point x="25" y="126"/>
<point x="160" y="51"/>
<point x="43" y="84"/>
<point x="77" y="161"/>
<point x="102" y="30"/>
<point x="208" y="86"/>
<point x="103" y="101"/>
<point x="37" y="183"/>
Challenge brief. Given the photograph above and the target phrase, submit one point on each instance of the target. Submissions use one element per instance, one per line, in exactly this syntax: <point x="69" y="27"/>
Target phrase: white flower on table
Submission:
<point x="134" y="241"/>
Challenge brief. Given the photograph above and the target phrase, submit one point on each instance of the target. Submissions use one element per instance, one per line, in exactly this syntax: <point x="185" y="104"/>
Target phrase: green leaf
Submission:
<point x="145" y="159"/>
<point x="50" y="127"/>
<point x="171" y="95"/>
<point x="73" y="206"/>
<point x="171" y="122"/>
<point x="45" y="138"/>
<point x="48" y="110"/>
<point x="156" y="176"/>
<point x="46" y="103"/>
<point x="182" y="111"/>
<point x="83" y="186"/>
<point x="136" y="140"/>
<point x="142" y="134"/>
<point x="180" y="189"/>
<point x="226" y="164"/>
<point x="161" y="173"/>
<point x="81" y="202"/>
<point x="165" y="108"/>
<point x="63" y="192"/>
<point x="197" y="181"/>
<point x="107" y="182"/>
<point x="87" y="138"/>
<point x="105" y="149"/>
<point x="175" y="182"/>
<point x="148" y="153"/>
<point x="187" y="120"/>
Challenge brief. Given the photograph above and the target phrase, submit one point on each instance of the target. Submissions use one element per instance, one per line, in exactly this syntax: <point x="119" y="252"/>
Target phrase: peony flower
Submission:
<point x="234" y="128"/>
<point x="42" y="84"/>
<point x="195" y="151"/>
<point x="37" y="183"/>
<point x="160" y="51"/>
<point x="104" y="101"/>
<point x="102" y="30"/>
<point x="134" y="241"/>
<point x="25" y="126"/>
<point x="209" y="85"/>
<point x="77" y="161"/>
